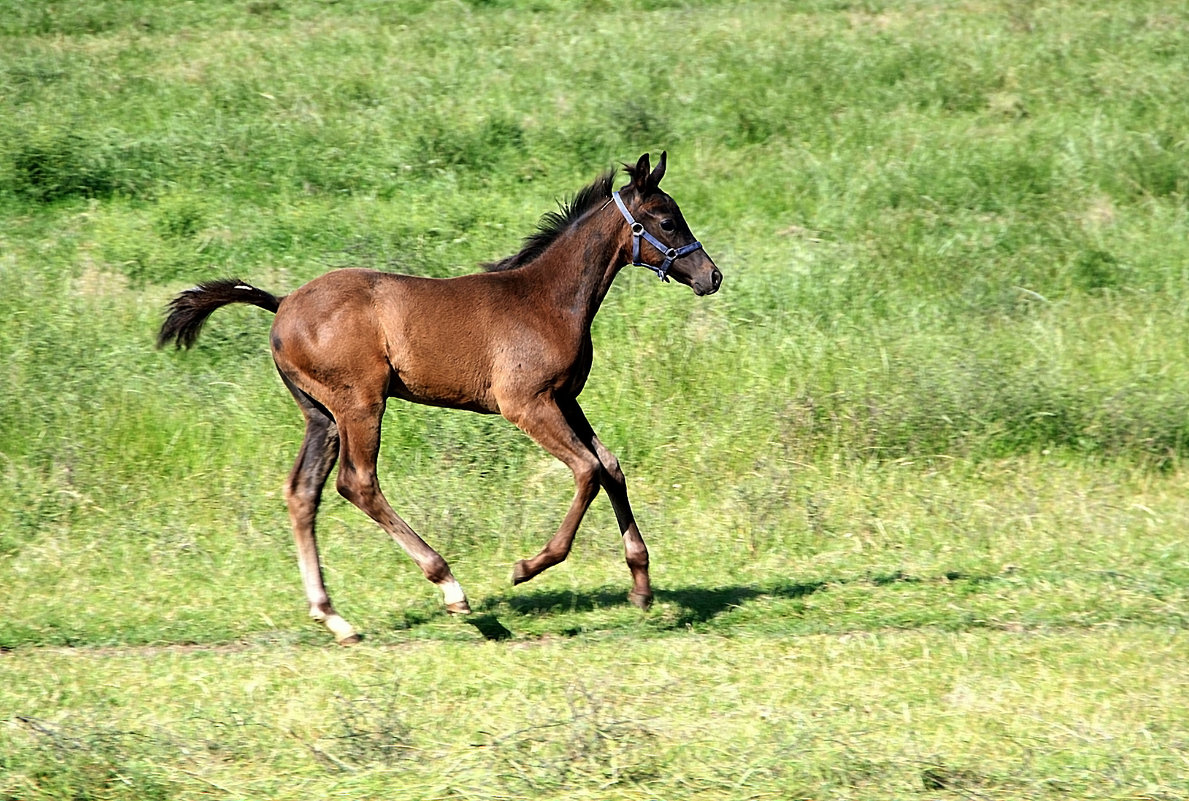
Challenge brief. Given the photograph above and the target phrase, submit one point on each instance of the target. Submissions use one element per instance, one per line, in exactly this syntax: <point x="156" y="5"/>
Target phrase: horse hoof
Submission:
<point x="459" y="608"/>
<point x="350" y="639"/>
<point x="642" y="600"/>
<point x="520" y="573"/>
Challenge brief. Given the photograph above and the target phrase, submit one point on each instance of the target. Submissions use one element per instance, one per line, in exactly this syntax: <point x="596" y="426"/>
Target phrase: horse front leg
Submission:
<point x="544" y="421"/>
<point x="614" y="481"/>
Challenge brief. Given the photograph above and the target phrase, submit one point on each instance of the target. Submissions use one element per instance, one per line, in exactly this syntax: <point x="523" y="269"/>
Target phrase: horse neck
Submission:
<point x="577" y="269"/>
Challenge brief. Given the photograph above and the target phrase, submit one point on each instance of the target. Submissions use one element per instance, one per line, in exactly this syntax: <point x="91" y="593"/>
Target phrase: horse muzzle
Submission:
<point x="715" y="283"/>
<point x="706" y="284"/>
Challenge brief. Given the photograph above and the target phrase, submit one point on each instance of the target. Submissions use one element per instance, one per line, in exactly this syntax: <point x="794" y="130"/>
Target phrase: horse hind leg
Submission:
<point x="358" y="483"/>
<point x="303" y="495"/>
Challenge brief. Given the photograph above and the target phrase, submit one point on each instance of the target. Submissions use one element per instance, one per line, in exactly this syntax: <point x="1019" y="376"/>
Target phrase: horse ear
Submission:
<point x="654" y="179"/>
<point x="639" y="173"/>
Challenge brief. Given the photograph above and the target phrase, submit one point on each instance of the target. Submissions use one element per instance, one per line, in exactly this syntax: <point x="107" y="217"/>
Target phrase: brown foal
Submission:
<point x="513" y="340"/>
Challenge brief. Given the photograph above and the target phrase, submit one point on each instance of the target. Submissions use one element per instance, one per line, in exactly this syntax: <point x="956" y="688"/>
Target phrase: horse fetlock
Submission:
<point x="344" y="633"/>
<point x="521" y="572"/>
<point x="642" y="600"/>
<point x="637" y="560"/>
<point x="437" y="570"/>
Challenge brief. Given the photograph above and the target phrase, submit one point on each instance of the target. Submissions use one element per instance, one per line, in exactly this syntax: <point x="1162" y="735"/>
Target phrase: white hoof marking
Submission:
<point x="340" y="628"/>
<point x="453" y="593"/>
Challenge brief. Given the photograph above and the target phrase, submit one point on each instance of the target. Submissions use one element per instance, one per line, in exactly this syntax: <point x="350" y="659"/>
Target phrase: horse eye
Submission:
<point x="667" y="225"/>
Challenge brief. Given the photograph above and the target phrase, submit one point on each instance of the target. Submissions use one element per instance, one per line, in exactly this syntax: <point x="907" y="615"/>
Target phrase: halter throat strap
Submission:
<point x="671" y="254"/>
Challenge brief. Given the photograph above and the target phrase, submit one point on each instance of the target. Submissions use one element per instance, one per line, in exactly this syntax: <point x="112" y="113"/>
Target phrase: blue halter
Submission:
<point x="671" y="254"/>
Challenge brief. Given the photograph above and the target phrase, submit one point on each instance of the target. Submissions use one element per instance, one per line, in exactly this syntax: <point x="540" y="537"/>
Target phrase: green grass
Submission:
<point x="921" y="714"/>
<point x="913" y="482"/>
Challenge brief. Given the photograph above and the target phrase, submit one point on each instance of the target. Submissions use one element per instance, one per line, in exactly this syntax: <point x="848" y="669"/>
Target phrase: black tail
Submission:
<point x="189" y="310"/>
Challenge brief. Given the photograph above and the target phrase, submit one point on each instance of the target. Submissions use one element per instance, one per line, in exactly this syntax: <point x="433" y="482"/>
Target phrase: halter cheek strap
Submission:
<point x="671" y="254"/>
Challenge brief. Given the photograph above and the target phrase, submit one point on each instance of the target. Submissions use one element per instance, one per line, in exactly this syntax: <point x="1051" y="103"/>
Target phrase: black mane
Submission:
<point x="553" y="223"/>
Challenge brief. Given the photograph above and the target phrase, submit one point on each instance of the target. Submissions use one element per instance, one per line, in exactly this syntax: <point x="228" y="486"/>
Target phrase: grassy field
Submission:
<point x="914" y="482"/>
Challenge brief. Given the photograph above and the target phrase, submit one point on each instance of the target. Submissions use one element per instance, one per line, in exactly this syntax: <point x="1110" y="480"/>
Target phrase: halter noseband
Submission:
<point x="671" y="254"/>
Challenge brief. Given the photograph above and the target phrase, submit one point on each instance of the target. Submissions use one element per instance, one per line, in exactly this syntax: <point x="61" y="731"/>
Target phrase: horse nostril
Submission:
<point x="716" y="279"/>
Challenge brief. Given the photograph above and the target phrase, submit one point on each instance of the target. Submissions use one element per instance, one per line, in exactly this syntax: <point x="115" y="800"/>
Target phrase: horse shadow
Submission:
<point x="694" y="605"/>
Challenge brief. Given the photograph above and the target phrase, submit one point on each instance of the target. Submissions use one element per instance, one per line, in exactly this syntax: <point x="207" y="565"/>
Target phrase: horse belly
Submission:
<point x="455" y="389"/>
<point x="445" y="369"/>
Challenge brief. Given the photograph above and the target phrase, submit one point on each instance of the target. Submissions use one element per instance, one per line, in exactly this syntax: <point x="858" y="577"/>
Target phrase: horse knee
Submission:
<point x="613" y="475"/>
<point x="586" y="475"/>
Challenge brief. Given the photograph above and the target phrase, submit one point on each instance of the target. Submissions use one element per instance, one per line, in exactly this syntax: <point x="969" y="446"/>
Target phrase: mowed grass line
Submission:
<point x="1055" y="714"/>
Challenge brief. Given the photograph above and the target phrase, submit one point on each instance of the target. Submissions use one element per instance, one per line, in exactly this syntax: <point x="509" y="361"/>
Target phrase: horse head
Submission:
<point x="660" y="238"/>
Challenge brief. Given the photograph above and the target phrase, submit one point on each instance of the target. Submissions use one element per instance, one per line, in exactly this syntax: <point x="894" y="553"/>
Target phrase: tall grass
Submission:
<point x="959" y="189"/>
